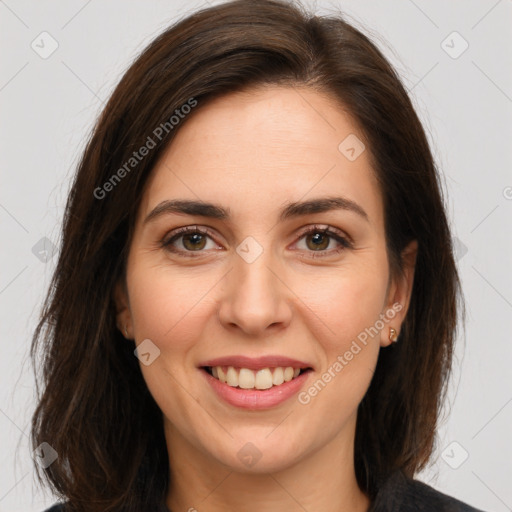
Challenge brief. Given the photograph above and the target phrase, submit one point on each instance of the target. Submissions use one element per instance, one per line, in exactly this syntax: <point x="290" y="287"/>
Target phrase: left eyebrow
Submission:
<point x="325" y="204"/>
<point x="290" y="210"/>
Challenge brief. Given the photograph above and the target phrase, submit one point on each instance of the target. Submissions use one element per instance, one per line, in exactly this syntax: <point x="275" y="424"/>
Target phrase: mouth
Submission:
<point x="262" y="379"/>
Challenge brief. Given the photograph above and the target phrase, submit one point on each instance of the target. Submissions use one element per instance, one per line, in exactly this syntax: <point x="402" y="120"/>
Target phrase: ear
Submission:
<point x="123" y="313"/>
<point x="399" y="294"/>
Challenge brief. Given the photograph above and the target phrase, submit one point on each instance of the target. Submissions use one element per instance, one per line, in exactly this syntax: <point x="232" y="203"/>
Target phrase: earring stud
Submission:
<point x="125" y="331"/>
<point x="393" y="336"/>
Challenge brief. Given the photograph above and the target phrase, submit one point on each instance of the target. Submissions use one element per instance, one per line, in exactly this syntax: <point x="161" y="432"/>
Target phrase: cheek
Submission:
<point x="349" y="307"/>
<point x="167" y="305"/>
<point x="346" y="301"/>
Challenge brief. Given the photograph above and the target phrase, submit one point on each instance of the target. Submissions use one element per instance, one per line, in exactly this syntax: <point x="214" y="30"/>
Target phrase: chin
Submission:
<point x="258" y="454"/>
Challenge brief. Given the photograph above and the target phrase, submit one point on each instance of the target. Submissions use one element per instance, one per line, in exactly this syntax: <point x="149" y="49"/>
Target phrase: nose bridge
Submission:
<point x="255" y="297"/>
<point x="255" y="280"/>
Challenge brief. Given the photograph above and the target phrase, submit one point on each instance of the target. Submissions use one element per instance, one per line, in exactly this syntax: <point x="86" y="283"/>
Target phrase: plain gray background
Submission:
<point x="463" y="96"/>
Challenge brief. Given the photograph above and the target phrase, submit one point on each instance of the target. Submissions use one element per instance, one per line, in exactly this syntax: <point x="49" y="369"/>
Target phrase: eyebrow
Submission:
<point x="290" y="210"/>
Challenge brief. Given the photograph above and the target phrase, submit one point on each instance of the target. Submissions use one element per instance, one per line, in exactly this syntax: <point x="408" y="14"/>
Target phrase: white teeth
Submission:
<point x="288" y="373"/>
<point x="246" y="379"/>
<point x="232" y="377"/>
<point x="249" y="379"/>
<point x="278" y="377"/>
<point x="263" y="379"/>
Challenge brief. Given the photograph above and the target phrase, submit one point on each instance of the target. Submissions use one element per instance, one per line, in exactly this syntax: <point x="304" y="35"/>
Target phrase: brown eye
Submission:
<point x="189" y="240"/>
<point x="194" y="241"/>
<point x="317" y="241"/>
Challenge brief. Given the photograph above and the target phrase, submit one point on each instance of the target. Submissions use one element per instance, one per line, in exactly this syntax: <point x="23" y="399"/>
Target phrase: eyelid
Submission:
<point x="326" y="228"/>
<point x="344" y="240"/>
<point x="176" y="233"/>
<point x="340" y="236"/>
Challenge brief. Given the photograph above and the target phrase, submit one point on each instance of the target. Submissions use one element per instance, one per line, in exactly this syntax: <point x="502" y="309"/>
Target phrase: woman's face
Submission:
<point x="264" y="281"/>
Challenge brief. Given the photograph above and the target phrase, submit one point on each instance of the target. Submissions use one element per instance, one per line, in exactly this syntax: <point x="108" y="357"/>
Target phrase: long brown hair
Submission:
<point x="94" y="408"/>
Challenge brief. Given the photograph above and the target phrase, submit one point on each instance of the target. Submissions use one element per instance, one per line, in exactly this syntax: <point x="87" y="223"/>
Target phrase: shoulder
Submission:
<point x="403" y="494"/>
<point x="58" y="507"/>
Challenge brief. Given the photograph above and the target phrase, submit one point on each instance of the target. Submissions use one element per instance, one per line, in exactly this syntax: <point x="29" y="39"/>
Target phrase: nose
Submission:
<point x="255" y="298"/>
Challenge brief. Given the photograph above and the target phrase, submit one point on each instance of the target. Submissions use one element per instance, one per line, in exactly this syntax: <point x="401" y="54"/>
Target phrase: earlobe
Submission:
<point x="400" y="295"/>
<point x="123" y="313"/>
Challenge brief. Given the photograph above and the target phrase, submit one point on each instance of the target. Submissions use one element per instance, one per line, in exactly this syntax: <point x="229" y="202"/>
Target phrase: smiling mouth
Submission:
<point x="246" y="378"/>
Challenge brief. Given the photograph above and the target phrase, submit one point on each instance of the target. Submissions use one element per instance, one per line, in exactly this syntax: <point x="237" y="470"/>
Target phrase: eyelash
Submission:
<point x="333" y="233"/>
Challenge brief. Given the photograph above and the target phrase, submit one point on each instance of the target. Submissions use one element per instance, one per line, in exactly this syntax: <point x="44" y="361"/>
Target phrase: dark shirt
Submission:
<point x="399" y="494"/>
<point x="402" y="494"/>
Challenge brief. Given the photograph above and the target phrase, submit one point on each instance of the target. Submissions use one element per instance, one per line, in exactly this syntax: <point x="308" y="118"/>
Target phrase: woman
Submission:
<point x="257" y="218"/>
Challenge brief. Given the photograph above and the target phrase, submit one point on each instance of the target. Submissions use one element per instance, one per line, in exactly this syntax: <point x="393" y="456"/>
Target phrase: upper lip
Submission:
<point x="256" y="363"/>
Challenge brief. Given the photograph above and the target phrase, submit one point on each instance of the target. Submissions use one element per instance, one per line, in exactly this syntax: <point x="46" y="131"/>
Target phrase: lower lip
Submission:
<point x="256" y="399"/>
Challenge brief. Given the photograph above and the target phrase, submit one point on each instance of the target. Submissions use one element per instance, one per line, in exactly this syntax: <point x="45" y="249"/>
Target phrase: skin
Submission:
<point x="252" y="152"/>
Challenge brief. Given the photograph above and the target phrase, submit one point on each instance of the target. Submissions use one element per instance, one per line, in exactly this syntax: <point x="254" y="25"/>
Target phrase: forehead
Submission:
<point x="255" y="149"/>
